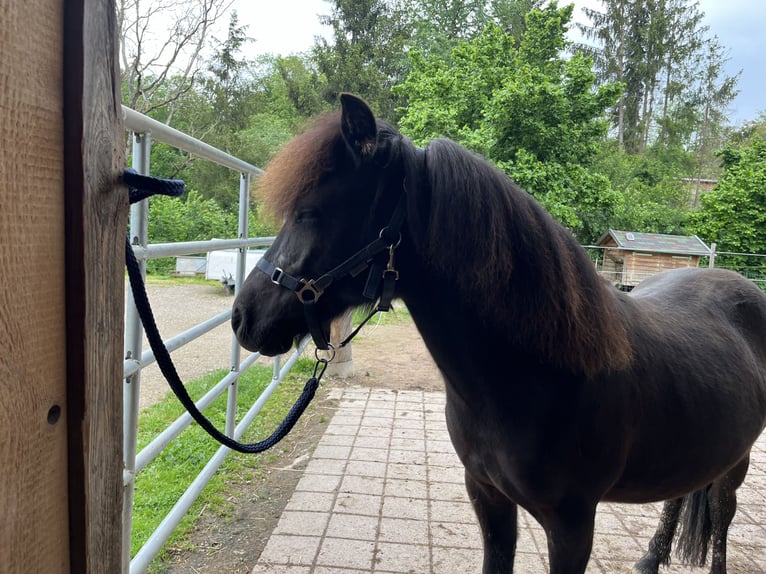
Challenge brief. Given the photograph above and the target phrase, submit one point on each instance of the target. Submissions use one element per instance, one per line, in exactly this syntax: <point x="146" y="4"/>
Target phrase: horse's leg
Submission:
<point x="659" y="546"/>
<point x="570" y="536"/>
<point x="723" y="505"/>
<point x="497" y="516"/>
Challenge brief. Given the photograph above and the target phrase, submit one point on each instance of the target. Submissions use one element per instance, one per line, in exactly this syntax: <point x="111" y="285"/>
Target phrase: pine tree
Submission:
<point x="654" y="48"/>
<point x="367" y="55"/>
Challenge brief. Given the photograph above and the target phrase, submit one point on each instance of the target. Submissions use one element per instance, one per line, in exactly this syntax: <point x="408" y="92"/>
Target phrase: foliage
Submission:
<point x="653" y="197"/>
<point x="748" y="132"/>
<point x="676" y="91"/>
<point x="733" y="215"/>
<point x="290" y="88"/>
<point x="490" y="74"/>
<point x="534" y="113"/>
<point x="438" y="26"/>
<point x="194" y="218"/>
<point x="367" y="53"/>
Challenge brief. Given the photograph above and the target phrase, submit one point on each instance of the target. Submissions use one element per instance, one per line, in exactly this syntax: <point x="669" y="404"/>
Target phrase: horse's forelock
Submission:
<point x="299" y="166"/>
<point x="302" y="163"/>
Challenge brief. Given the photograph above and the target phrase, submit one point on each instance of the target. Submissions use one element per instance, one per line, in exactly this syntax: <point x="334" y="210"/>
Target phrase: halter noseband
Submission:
<point x="309" y="291"/>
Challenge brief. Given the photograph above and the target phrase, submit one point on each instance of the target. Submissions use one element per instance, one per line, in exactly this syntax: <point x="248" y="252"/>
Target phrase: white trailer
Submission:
<point x="222" y="265"/>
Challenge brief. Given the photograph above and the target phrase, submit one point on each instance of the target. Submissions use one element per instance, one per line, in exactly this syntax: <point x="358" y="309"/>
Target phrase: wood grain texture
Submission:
<point x="62" y="221"/>
<point x="34" y="534"/>
<point x="96" y="217"/>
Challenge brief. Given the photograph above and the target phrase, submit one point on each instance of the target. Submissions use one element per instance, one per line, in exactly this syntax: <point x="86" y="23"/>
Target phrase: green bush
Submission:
<point x="193" y="218"/>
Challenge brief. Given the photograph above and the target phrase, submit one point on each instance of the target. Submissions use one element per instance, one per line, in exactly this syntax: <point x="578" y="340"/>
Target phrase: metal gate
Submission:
<point x="144" y="131"/>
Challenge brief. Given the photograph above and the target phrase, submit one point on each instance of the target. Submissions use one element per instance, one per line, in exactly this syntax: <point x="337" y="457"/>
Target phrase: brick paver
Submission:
<point x="383" y="493"/>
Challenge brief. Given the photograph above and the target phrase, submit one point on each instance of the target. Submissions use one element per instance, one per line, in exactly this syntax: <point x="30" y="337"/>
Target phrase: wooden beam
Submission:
<point x="96" y="219"/>
<point x="33" y="411"/>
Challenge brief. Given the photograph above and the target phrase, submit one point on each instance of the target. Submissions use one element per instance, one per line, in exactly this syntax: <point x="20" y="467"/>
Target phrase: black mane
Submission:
<point x="477" y="226"/>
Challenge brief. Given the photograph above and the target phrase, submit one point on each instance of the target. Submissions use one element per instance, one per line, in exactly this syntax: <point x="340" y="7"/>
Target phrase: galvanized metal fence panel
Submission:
<point x="144" y="130"/>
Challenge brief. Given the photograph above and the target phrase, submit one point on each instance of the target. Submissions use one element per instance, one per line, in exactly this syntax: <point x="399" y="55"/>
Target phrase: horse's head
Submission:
<point x="336" y="187"/>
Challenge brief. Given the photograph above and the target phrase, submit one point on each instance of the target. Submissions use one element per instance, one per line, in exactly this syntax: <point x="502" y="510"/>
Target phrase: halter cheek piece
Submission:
<point x="381" y="281"/>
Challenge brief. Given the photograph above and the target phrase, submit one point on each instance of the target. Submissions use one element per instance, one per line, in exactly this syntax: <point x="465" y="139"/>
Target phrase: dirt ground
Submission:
<point x="384" y="355"/>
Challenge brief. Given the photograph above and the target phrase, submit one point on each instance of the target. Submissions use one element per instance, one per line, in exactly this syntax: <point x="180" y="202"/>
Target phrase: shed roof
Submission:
<point x="657" y="242"/>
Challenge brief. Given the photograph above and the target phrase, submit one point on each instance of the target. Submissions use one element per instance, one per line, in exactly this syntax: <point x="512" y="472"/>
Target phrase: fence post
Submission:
<point x="242" y="232"/>
<point x="343" y="365"/>
<point x="711" y="259"/>
<point x="139" y="233"/>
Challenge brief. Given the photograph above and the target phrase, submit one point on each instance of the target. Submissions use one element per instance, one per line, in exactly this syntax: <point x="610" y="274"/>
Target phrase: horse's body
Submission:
<point x="561" y="391"/>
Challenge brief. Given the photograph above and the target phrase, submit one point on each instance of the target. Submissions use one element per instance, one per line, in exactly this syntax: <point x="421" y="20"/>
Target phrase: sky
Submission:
<point x="289" y="26"/>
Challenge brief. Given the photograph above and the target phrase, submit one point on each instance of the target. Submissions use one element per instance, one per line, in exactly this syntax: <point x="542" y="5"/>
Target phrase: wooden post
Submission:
<point x="343" y="365"/>
<point x="96" y="219"/>
<point x="711" y="259"/>
<point x="34" y="529"/>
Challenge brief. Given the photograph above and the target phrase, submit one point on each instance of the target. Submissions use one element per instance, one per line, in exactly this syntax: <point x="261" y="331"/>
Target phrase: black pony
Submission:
<point x="561" y="391"/>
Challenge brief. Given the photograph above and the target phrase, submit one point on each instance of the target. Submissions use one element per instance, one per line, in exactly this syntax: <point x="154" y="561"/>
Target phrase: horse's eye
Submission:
<point x="306" y="216"/>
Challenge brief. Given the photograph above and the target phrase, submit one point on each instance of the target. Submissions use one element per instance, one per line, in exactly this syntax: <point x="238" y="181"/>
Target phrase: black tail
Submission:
<point x="696" y="528"/>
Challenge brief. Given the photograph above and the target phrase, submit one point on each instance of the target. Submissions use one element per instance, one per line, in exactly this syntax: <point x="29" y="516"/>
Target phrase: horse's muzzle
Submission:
<point x="254" y="338"/>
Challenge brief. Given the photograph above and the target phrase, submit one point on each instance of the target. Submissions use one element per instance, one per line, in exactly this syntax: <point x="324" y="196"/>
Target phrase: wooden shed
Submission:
<point x="629" y="257"/>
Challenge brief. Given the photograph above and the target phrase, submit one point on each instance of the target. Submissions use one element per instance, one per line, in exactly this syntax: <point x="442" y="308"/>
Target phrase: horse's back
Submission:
<point x="693" y="316"/>
<point x="698" y="377"/>
<point x="711" y="283"/>
<point x="706" y="299"/>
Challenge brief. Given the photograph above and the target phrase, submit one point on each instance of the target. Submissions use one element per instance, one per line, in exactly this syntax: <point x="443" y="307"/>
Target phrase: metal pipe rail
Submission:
<point x="155" y="447"/>
<point x="144" y="130"/>
<point x="132" y="366"/>
<point x="141" y="124"/>
<point x="158" y="250"/>
<point x="144" y="556"/>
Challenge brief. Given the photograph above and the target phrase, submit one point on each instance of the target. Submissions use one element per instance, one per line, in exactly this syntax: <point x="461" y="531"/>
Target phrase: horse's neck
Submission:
<point x="564" y="316"/>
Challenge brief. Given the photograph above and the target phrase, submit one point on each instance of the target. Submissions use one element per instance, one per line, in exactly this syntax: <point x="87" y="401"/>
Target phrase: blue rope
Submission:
<point x="142" y="186"/>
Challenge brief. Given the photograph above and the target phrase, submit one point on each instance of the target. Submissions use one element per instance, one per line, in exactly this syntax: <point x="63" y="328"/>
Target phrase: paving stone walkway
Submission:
<point x="383" y="492"/>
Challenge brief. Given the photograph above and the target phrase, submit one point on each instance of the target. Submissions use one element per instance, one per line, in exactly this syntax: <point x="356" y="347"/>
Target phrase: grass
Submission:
<point x="174" y="280"/>
<point x="398" y="315"/>
<point x="160" y="484"/>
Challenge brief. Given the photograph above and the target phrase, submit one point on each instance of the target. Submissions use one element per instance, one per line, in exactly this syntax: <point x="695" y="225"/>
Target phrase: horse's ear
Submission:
<point x="358" y="125"/>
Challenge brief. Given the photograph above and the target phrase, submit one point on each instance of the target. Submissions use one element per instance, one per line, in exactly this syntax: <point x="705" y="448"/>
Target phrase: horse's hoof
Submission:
<point x="647" y="565"/>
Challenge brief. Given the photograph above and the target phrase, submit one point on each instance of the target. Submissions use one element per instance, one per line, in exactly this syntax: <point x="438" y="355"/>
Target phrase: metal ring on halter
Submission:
<point x="330" y="353"/>
<point x="396" y="243"/>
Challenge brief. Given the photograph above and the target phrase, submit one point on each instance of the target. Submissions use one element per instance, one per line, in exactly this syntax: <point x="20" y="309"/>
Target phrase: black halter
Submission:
<point x="381" y="281"/>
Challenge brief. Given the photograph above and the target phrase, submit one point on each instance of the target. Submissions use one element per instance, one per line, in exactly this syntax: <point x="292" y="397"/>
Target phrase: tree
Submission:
<point x="748" y="132"/>
<point x="716" y="93"/>
<point x="523" y="105"/>
<point x="653" y="197"/>
<point x="225" y="83"/>
<point x="367" y="54"/>
<point x="733" y="215"/>
<point x="292" y="88"/>
<point x="511" y="15"/>
<point x="160" y="40"/>
<point x="653" y="48"/>
<point x="439" y="24"/>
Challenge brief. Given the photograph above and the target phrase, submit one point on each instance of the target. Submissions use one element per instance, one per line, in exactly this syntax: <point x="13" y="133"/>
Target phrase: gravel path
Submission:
<point x="180" y="307"/>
